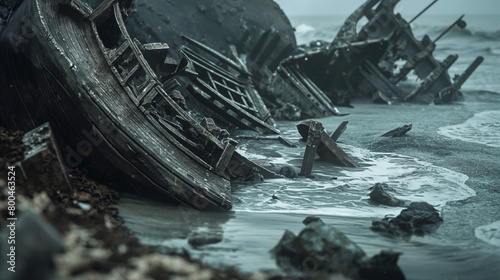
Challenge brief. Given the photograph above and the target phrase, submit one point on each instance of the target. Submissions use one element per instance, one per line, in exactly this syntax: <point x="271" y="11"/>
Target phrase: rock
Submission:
<point x="380" y="195"/>
<point x="382" y="266"/>
<point x="200" y="239"/>
<point x="253" y="176"/>
<point x="321" y="248"/>
<point x="318" y="247"/>
<point x="419" y="218"/>
<point x="311" y="219"/>
<point x="289" y="172"/>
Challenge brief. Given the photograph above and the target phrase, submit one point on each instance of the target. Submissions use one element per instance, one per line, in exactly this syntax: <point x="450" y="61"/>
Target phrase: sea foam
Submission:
<point x="342" y="191"/>
<point x="483" y="128"/>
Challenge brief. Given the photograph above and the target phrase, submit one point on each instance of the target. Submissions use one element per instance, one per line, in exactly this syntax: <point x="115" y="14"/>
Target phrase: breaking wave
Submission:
<point x="306" y="33"/>
<point x="483" y="128"/>
<point x="489" y="233"/>
<point x="304" y="28"/>
<point x="342" y="191"/>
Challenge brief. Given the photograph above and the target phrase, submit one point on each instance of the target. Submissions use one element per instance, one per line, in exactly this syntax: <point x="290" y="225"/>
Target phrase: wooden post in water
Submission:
<point x="226" y="156"/>
<point x="313" y="140"/>
<point x="342" y="127"/>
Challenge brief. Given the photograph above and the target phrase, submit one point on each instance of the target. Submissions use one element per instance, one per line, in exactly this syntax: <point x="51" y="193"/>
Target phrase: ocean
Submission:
<point x="450" y="159"/>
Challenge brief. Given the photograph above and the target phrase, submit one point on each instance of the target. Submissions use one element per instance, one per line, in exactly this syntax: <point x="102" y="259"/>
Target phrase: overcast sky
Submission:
<point x="405" y="7"/>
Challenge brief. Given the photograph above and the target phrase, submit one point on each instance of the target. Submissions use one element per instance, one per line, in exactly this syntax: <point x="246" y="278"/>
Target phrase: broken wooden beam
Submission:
<point x="398" y="132"/>
<point x="331" y="152"/>
<point x="342" y="127"/>
<point x="446" y="94"/>
<point x="327" y="148"/>
<point x="313" y="140"/>
<point x="226" y="156"/>
<point x="433" y="77"/>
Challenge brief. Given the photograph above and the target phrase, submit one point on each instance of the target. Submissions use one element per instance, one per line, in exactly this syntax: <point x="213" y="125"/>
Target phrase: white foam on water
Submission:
<point x="489" y="233"/>
<point x="342" y="191"/>
<point x="483" y="128"/>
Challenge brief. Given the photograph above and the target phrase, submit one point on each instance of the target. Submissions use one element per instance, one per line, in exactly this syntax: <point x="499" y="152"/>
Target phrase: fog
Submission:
<point x="405" y="7"/>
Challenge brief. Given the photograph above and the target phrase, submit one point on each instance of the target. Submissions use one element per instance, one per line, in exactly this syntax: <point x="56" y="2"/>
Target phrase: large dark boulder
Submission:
<point x="322" y="248"/>
<point x="419" y="218"/>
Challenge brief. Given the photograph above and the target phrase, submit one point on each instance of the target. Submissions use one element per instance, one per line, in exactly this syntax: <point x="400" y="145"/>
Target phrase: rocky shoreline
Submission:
<point x="78" y="234"/>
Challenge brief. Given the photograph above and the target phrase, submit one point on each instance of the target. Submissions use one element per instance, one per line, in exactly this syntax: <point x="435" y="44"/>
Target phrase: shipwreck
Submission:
<point x="132" y="90"/>
<point x="364" y="63"/>
<point x="99" y="89"/>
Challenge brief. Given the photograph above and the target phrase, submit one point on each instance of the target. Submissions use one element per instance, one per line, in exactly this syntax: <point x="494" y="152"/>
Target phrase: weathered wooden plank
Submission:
<point x="313" y="140"/>
<point x="333" y="153"/>
<point x="226" y="156"/>
<point x="342" y="127"/>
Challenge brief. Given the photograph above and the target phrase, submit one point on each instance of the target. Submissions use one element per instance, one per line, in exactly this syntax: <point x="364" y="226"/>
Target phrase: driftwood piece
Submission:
<point x="398" y="132"/>
<point x="313" y="140"/>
